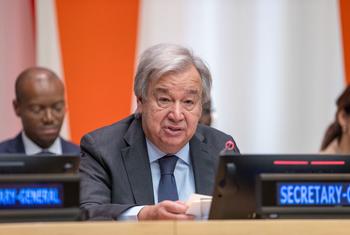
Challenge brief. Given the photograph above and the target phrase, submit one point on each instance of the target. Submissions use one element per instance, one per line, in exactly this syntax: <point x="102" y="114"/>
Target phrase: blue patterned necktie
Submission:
<point x="167" y="185"/>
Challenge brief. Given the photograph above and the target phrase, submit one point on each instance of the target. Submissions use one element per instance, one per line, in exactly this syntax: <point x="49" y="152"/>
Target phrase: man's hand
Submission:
<point x="165" y="210"/>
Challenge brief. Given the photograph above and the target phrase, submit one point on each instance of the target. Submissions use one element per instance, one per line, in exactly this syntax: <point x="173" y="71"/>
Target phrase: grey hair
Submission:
<point x="162" y="59"/>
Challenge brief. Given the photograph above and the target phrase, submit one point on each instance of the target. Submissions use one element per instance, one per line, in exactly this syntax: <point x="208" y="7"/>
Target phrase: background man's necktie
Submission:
<point x="44" y="152"/>
<point x="167" y="185"/>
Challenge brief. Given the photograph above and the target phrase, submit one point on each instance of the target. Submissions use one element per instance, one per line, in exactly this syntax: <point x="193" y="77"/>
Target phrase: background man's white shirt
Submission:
<point x="31" y="148"/>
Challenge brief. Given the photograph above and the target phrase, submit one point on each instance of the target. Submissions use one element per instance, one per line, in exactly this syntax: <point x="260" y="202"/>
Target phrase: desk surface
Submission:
<point x="232" y="227"/>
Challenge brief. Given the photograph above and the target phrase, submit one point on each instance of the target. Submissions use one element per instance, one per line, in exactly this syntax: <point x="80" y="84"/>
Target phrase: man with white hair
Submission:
<point x="146" y="166"/>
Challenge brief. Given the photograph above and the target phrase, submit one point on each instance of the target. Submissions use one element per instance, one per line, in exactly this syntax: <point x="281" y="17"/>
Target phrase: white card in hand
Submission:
<point x="199" y="206"/>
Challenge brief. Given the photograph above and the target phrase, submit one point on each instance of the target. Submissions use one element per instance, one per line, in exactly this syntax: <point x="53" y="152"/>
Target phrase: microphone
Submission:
<point x="230" y="146"/>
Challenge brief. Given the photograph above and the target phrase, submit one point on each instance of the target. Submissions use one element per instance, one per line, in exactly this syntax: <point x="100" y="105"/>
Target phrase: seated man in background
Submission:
<point x="206" y="117"/>
<point x="40" y="104"/>
<point x="337" y="136"/>
<point x="147" y="165"/>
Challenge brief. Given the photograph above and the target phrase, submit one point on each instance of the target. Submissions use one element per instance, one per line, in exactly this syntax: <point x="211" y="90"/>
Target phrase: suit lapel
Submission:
<point x="203" y="165"/>
<point x="64" y="146"/>
<point x="137" y="164"/>
<point x="68" y="148"/>
<point x="16" y="145"/>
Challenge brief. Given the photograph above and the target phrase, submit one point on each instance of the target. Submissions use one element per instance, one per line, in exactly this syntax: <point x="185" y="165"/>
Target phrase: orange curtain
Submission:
<point x="345" y="26"/>
<point x="98" y="44"/>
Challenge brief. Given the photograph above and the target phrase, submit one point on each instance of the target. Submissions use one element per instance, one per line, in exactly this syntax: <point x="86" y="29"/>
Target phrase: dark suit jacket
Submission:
<point x="115" y="169"/>
<point x="16" y="145"/>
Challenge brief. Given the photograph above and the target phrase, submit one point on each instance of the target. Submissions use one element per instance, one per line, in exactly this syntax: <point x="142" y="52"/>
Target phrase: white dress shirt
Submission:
<point x="183" y="176"/>
<point x="32" y="148"/>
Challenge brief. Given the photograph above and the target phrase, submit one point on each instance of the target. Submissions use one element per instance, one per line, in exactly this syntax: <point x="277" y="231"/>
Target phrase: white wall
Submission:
<point x="16" y="54"/>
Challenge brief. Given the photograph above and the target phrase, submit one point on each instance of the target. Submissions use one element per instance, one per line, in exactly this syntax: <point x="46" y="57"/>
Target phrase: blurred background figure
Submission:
<point x="41" y="106"/>
<point x="337" y="137"/>
<point x="206" y="117"/>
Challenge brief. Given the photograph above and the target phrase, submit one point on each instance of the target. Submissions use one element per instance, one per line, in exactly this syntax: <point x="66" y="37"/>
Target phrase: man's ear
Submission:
<point x="16" y="107"/>
<point x="343" y="120"/>
<point x="139" y="105"/>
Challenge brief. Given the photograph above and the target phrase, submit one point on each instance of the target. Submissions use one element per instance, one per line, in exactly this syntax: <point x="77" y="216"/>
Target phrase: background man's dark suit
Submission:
<point x="16" y="145"/>
<point x="116" y="172"/>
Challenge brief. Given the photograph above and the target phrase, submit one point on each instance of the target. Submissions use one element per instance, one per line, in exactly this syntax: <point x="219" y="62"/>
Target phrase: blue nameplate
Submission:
<point x="13" y="196"/>
<point x="313" y="194"/>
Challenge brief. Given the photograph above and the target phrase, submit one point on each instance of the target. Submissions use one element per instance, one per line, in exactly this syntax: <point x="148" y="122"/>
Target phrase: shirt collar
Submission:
<point x="32" y="148"/>
<point x="155" y="153"/>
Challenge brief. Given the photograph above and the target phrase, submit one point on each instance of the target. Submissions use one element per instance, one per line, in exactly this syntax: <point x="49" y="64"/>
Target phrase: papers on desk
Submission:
<point x="199" y="206"/>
